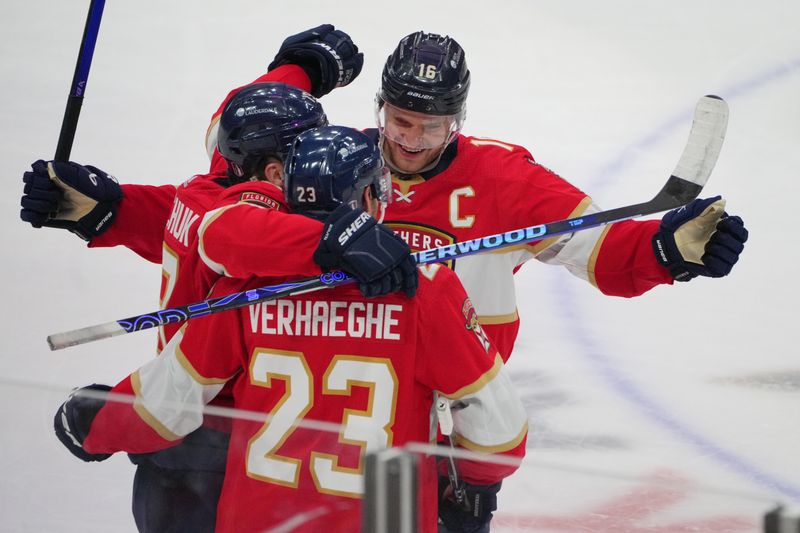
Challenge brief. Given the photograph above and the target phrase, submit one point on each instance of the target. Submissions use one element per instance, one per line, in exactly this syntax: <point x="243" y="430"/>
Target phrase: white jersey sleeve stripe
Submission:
<point x="169" y="397"/>
<point x="492" y="417"/>
<point x="577" y="252"/>
<point x="590" y="268"/>
<point x="145" y="415"/>
<point x="504" y="447"/>
<point x="545" y="244"/>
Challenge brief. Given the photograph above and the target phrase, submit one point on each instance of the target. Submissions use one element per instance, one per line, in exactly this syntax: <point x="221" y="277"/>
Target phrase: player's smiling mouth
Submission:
<point x="410" y="150"/>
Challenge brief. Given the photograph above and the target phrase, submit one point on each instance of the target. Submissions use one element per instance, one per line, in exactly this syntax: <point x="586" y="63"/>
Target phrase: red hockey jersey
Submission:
<point x="245" y="235"/>
<point x="178" y="286"/>
<point x="482" y="187"/>
<point x="143" y="212"/>
<point x="367" y="368"/>
<point x="161" y="223"/>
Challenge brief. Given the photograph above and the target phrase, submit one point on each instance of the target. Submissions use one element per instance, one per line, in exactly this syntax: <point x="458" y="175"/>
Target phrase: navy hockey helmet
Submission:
<point x="330" y="166"/>
<point x="426" y="73"/>
<point x="262" y="120"/>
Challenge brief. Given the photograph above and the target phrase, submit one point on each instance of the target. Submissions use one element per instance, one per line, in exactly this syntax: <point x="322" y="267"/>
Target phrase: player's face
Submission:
<point x="413" y="140"/>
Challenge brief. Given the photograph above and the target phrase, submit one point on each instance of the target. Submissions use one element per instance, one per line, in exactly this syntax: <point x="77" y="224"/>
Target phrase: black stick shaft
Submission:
<point x="79" y="79"/>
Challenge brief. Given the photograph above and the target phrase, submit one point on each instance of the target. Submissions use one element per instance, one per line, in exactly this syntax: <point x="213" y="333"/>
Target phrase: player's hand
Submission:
<point x="377" y="257"/>
<point x="471" y="518"/>
<point x="329" y="56"/>
<point x="81" y="199"/>
<point x="74" y="419"/>
<point x="700" y="239"/>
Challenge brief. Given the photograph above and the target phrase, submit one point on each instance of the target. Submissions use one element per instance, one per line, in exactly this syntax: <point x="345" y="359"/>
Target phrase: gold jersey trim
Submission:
<point x="490" y="320"/>
<point x="201" y="233"/>
<point x="405" y="185"/>
<point x="593" y="258"/>
<point x="194" y="374"/>
<point x="479" y="383"/>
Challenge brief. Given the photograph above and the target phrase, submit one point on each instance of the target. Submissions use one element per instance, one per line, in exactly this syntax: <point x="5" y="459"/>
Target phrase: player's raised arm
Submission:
<point x="316" y="60"/>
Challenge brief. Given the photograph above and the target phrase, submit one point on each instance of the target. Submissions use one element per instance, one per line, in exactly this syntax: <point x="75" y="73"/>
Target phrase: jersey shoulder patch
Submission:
<point x="473" y="324"/>
<point x="259" y="199"/>
<point x="260" y="193"/>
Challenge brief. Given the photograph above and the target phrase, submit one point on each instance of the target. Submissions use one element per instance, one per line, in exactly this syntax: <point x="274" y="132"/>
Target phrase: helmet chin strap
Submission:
<point x="369" y="202"/>
<point x="381" y="212"/>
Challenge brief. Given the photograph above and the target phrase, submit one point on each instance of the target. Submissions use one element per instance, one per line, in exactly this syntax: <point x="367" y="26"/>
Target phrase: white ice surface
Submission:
<point x="698" y="383"/>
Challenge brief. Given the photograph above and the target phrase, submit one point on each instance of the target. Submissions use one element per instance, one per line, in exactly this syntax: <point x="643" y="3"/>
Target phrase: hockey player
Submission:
<point x="185" y="481"/>
<point x="106" y="214"/>
<point x="92" y="205"/>
<point x="449" y="187"/>
<point x="182" y="482"/>
<point x="178" y="489"/>
<point x="371" y="366"/>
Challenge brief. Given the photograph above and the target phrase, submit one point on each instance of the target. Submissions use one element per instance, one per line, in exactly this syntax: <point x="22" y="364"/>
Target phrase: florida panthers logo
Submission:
<point x="422" y="237"/>
<point x="472" y="323"/>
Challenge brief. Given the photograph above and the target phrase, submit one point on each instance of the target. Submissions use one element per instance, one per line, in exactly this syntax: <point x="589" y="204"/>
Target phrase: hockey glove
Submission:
<point x="699" y="239"/>
<point x="329" y="56"/>
<point x="81" y="199"/>
<point x="74" y="419"/>
<point x="376" y="256"/>
<point x="482" y="500"/>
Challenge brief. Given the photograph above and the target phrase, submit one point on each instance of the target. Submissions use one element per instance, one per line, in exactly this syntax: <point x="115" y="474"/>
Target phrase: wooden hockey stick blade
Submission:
<point x="684" y="185"/>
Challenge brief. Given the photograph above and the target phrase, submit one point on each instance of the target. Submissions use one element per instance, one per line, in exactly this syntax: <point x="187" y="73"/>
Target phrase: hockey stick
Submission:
<point x="445" y="418"/>
<point x="73" y="110"/>
<point x="684" y="185"/>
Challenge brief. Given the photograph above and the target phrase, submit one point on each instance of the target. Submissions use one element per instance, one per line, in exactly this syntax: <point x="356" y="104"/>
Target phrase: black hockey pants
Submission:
<point x="177" y="489"/>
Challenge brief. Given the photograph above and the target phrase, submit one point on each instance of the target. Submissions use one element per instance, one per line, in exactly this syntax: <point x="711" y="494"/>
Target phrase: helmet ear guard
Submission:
<point x="262" y="120"/>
